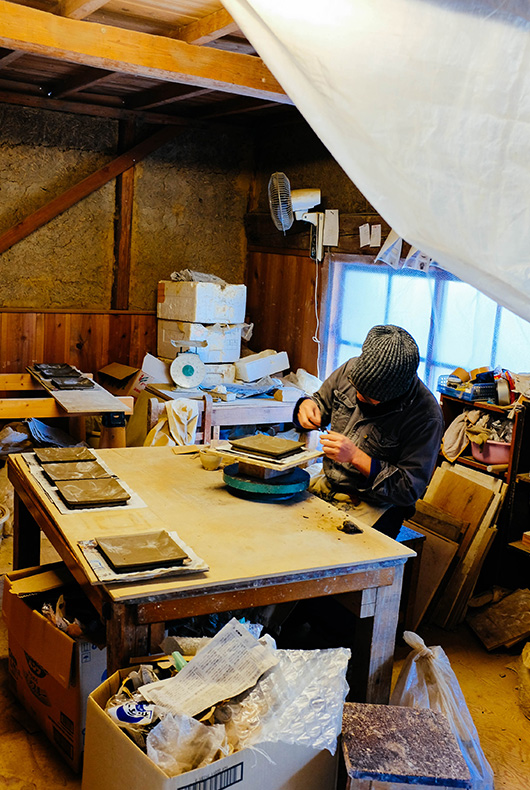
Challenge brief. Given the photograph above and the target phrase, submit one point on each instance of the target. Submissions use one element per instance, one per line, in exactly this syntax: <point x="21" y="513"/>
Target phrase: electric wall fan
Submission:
<point x="286" y="205"/>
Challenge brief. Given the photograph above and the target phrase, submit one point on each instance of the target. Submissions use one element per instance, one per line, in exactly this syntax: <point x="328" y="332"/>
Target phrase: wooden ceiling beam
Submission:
<point x="207" y="29"/>
<point x="131" y="52"/>
<point x="83" y="79"/>
<point x="80" y="9"/>
<point x="163" y="94"/>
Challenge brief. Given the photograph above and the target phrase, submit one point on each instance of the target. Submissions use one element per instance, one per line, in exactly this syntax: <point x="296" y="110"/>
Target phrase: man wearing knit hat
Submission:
<point x="385" y="431"/>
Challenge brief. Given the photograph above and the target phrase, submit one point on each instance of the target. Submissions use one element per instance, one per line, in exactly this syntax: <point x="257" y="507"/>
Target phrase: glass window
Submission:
<point x="454" y="324"/>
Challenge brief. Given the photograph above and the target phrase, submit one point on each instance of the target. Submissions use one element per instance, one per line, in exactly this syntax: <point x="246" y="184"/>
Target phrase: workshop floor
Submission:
<point x="489" y="682"/>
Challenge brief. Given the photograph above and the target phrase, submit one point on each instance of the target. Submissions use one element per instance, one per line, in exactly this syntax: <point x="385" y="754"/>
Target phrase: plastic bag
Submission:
<point x="179" y="744"/>
<point x="427" y="680"/>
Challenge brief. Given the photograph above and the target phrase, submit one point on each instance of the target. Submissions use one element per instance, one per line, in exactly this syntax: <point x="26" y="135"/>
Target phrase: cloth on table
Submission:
<point x="178" y="426"/>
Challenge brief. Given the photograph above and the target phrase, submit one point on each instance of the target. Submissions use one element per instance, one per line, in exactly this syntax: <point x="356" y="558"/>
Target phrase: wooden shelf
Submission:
<point x="476" y="404"/>
<point x="474" y="464"/>
<point x="518" y="544"/>
<point x="466" y="460"/>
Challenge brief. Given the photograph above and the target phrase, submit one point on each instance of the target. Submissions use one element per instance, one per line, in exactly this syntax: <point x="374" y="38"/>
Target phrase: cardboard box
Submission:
<point x="204" y="303"/>
<point x="224" y="340"/>
<point x="52" y="673"/>
<point x="113" y="761"/>
<point x="122" y="380"/>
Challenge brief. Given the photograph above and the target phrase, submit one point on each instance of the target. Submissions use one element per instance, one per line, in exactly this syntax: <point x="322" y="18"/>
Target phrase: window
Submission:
<point x="454" y="324"/>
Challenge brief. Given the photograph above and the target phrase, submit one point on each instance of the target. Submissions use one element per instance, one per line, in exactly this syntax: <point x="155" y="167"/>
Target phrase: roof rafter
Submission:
<point x="80" y="9"/>
<point x="207" y="29"/>
<point x="132" y="52"/>
<point x="8" y="56"/>
<point x="163" y="94"/>
<point x="80" y="81"/>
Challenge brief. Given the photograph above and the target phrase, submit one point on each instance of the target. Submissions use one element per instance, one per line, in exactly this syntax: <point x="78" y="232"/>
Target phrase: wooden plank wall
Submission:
<point x="281" y="284"/>
<point x="281" y="304"/>
<point x="84" y="339"/>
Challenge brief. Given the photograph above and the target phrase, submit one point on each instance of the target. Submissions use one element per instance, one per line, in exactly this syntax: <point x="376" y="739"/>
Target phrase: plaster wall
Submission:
<point x="299" y="153"/>
<point x="68" y="262"/>
<point x="190" y="200"/>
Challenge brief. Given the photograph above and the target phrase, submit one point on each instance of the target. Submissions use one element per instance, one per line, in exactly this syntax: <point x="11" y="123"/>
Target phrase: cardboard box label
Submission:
<point x="227" y="777"/>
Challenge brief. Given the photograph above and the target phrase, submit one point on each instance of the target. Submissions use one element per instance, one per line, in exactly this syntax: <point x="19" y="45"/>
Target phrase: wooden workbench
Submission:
<point x="258" y="553"/>
<point x="27" y="398"/>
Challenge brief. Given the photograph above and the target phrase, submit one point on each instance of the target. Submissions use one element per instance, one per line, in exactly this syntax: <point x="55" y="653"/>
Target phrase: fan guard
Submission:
<point x="280" y="201"/>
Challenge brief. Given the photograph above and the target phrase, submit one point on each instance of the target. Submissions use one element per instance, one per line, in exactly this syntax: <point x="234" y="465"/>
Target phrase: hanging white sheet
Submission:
<point x="426" y="106"/>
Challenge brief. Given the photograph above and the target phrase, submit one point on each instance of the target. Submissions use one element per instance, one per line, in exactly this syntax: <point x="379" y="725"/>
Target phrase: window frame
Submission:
<point x="336" y="264"/>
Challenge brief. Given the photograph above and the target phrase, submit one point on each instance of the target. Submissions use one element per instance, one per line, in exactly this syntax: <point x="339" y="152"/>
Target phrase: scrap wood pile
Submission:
<point x="504" y="622"/>
<point x="458" y="516"/>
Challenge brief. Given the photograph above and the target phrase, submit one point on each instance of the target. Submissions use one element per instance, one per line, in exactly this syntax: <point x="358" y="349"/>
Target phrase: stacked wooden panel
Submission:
<point x="458" y="517"/>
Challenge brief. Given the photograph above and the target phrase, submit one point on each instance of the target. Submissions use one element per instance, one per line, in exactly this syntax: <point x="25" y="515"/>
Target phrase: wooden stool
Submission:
<point x="409" y="746"/>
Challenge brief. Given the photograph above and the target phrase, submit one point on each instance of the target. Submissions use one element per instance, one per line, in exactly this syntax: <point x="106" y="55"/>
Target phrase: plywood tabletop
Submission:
<point x="242" y="541"/>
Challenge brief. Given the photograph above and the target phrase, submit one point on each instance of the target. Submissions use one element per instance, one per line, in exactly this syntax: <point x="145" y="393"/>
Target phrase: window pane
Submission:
<point x="513" y="343"/>
<point x="465" y="327"/>
<point x="364" y="302"/>
<point x="410" y="307"/>
<point x="453" y="323"/>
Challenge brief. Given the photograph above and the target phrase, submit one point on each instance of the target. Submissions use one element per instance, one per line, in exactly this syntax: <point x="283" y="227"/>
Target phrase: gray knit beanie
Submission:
<point x="387" y="364"/>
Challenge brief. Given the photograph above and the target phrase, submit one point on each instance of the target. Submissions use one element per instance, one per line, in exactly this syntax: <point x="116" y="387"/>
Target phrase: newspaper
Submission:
<point x="231" y="663"/>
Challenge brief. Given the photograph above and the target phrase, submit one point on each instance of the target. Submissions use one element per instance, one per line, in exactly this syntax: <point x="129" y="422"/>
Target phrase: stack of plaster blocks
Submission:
<point x="189" y="311"/>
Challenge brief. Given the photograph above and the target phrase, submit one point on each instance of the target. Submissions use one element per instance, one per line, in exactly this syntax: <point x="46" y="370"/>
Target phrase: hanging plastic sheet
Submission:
<point x="426" y="106"/>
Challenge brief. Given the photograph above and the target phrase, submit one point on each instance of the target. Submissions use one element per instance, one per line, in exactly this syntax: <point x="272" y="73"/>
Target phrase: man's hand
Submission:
<point x="338" y="447"/>
<point x="342" y="450"/>
<point x="309" y="415"/>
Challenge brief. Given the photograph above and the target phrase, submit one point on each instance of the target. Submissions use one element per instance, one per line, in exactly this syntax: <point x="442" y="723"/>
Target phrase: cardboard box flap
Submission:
<point x="118" y="371"/>
<point x="53" y="577"/>
<point x="51" y="649"/>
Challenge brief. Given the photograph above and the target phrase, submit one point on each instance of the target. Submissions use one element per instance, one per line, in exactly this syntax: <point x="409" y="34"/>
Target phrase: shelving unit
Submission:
<point x="452" y="407"/>
<point x="514" y="518"/>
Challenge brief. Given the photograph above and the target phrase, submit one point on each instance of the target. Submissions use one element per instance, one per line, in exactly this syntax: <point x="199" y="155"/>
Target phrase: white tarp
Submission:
<point x="426" y="106"/>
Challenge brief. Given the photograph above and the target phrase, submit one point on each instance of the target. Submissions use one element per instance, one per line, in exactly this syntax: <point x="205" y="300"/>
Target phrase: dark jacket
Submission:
<point x="403" y="435"/>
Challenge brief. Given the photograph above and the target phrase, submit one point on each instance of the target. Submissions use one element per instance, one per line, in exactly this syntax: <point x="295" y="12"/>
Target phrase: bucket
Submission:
<point x="491" y="452"/>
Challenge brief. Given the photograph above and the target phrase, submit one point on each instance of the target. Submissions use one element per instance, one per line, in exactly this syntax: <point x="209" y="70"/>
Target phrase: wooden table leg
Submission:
<point x="26" y="537"/>
<point x="125" y="639"/>
<point x="77" y="428"/>
<point x="157" y="632"/>
<point x="370" y="671"/>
